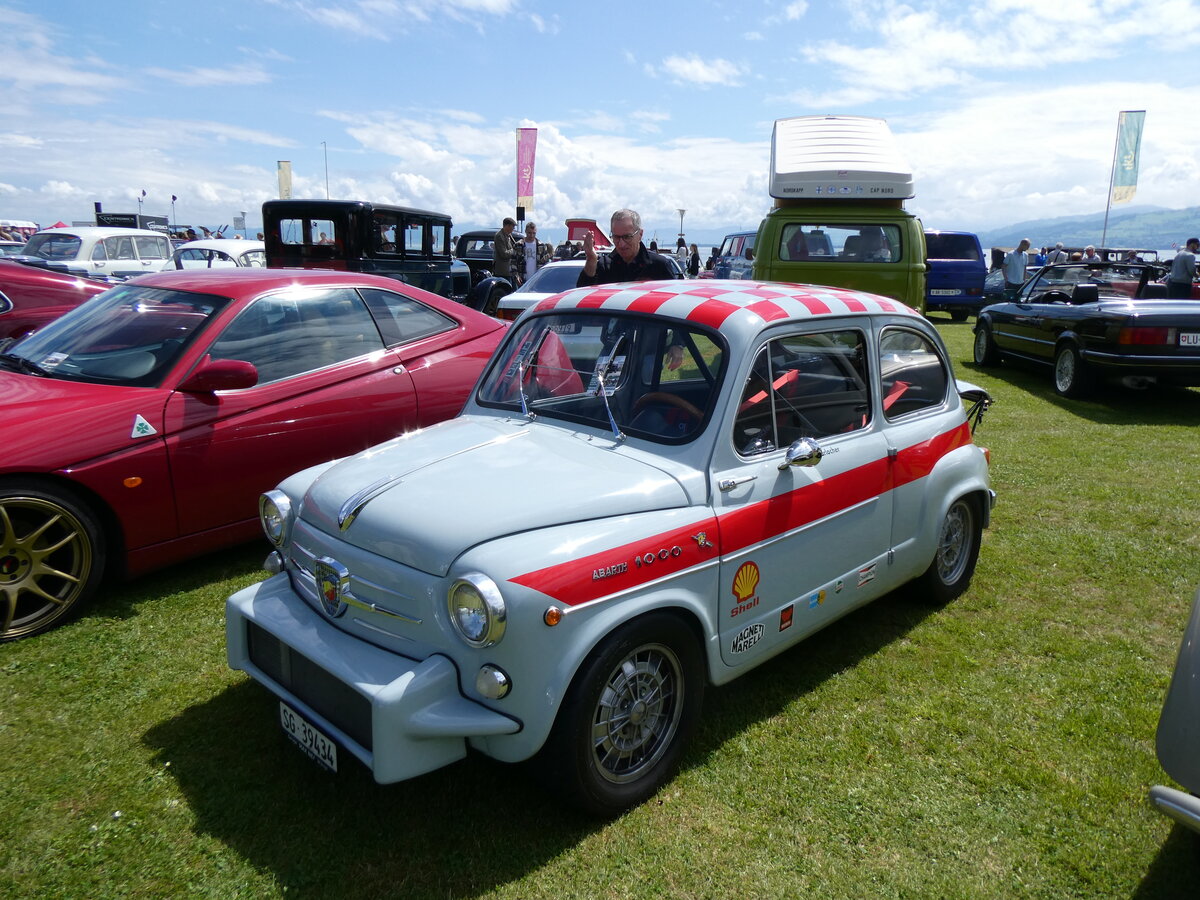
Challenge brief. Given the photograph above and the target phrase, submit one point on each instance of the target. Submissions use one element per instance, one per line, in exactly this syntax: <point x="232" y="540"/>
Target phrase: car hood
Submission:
<point x="425" y="498"/>
<point x="49" y="423"/>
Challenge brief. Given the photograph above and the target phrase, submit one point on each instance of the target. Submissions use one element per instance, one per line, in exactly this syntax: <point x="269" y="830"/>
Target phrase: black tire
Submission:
<point x="959" y="537"/>
<point x="52" y="557"/>
<point x="1071" y="375"/>
<point x="628" y="714"/>
<point x="958" y="315"/>
<point x="985" y="351"/>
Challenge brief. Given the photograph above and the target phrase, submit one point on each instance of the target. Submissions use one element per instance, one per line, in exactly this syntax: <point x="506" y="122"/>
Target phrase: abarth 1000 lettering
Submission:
<point x="654" y="487"/>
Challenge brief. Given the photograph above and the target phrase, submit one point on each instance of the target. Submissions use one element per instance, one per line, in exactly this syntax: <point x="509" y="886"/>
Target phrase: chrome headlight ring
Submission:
<point x="275" y="514"/>
<point x="477" y="609"/>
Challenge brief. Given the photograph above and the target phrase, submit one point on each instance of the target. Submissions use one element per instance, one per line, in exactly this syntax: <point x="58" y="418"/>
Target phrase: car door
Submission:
<point x="327" y="388"/>
<point x="801" y="544"/>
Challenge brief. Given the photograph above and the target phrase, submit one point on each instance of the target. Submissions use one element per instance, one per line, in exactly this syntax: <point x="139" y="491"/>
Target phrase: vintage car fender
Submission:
<point x="518" y="563"/>
<point x="1178" y="734"/>
<point x="482" y="293"/>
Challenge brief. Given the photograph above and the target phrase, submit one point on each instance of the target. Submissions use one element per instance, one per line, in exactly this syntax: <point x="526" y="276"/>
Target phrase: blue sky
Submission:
<point x="1006" y="110"/>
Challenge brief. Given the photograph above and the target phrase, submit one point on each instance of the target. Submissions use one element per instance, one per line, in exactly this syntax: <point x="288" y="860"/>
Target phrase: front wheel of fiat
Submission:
<point x="51" y="558"/>
<point x="628" y="715"/>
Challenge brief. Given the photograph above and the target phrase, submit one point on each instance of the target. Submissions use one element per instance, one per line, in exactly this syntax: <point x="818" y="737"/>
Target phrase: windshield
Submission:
<point x="1113" y="278"/>
<point x="128" y="335"/>
<point x="552" y="280"/>
<point x="646" y="377"/>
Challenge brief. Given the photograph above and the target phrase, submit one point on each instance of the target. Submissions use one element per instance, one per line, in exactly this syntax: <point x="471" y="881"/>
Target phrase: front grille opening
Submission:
<point x="342" y="705"/>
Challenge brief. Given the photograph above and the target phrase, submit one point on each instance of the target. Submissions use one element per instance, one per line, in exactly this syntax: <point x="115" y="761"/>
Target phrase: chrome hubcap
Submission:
<point x="637" y="714"/>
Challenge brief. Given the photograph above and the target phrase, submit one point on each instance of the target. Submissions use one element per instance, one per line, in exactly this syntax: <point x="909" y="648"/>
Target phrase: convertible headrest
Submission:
<point x="1154" y="290"/>
<point x="1085" y="293"/>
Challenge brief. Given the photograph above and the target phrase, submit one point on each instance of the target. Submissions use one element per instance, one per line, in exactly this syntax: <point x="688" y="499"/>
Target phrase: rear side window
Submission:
<point x="152" y="247"/>
<point x="402" y="319"/>
<point x="952" y="246"/>
<point x="912" y="371"/>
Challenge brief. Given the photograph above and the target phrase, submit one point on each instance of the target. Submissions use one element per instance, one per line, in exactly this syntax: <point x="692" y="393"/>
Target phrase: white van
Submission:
<point x="89" y="250"/>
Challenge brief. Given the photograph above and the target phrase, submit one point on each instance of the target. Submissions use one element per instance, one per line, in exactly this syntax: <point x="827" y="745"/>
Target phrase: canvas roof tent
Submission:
<point x="837" y="158"/>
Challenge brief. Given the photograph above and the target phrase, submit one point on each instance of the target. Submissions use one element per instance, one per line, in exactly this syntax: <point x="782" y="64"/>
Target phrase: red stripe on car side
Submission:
<point x="584" y="579"/>
<point x="575" y="581"/>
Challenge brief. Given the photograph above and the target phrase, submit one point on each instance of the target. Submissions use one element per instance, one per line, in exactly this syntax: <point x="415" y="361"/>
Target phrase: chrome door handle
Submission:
<point x="728" y="484"/>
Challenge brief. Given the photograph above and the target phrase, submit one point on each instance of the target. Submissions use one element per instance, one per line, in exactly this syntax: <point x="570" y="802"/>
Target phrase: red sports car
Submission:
<point x="31" y="296"/>
<point x="140" y="428"/>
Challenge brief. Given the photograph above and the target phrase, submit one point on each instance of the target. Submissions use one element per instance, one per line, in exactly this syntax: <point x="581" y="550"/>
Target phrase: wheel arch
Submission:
<point x="114" y="534"/>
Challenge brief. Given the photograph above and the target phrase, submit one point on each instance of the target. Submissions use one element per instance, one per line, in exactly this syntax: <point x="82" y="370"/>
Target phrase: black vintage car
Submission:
<point x="1092" y="322"/>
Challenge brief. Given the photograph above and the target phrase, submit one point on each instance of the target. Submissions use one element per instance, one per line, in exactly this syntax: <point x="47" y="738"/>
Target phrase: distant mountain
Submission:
<point x="1145" y="227"/>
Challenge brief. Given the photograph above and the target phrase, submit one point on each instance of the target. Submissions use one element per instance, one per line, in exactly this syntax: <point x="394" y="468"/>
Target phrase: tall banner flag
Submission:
<point x="1128" y="154"/>
<point x="526" y="149"/>
<point x="285" y="179"/>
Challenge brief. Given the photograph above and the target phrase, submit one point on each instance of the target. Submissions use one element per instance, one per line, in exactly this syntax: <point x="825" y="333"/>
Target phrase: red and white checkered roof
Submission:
<point x="714" y="302"/>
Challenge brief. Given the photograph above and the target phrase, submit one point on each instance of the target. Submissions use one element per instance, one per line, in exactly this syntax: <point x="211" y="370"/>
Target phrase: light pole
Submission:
<point x="173" y="199"/>
<point x="140" y="199"/>
<point x="326" y="149"/>
<point x="681" y="212"/>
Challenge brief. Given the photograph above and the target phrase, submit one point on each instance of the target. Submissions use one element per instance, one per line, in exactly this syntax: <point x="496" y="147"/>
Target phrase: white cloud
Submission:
<point x="702" y="72"/>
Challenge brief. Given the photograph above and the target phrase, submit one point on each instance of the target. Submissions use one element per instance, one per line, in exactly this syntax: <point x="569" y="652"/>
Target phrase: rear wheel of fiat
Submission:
<point x="958" y="543"/>
<point x="628" y="714"/>
<point x="51" y="558"/>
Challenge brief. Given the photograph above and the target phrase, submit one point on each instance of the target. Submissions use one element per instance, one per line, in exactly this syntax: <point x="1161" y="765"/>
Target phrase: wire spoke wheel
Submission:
<point x="954" y="545"/>
<point x="637" y="714"/>
<point x="48" y="562"/>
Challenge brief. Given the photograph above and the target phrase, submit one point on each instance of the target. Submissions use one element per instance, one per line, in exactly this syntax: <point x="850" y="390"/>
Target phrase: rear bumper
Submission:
<point x="1183" y="808"/>
<point x="399" y="716"/>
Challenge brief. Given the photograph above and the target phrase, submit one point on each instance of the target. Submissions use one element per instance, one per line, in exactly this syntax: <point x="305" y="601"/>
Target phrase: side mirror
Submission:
<point x="804" y="452"/>
<point x="220" y="375"/>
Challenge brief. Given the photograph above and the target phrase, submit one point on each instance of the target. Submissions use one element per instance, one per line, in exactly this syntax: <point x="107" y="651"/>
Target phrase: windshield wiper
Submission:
<point x="528" y="359"/>
<point x="603" y="373"/>
<point x="21" y="364"/>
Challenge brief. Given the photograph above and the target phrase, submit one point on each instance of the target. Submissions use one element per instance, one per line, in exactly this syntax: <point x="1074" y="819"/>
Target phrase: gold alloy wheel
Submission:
<point x="47" y="563"/>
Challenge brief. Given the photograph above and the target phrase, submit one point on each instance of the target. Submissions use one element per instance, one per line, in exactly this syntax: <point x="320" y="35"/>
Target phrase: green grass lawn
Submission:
<point x="999" y="747"/>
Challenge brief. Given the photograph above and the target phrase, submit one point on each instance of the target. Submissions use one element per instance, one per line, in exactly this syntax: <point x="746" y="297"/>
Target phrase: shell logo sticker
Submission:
<point x="142" y="428"/>
<point x="745" y="588"/>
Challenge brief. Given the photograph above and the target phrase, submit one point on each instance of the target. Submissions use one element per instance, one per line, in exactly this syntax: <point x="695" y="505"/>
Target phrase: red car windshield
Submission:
<point x="128" y="335"/>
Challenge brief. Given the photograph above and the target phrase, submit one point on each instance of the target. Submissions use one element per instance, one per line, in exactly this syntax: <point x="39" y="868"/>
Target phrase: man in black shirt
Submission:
<point x="629" y="261"/>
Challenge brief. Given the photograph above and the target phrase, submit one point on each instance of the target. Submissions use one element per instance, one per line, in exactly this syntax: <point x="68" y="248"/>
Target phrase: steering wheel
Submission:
<point x="669" y="400"/>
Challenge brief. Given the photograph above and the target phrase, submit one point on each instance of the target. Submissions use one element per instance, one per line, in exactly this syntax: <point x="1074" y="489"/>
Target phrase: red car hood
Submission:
<point x="49" y="424"/>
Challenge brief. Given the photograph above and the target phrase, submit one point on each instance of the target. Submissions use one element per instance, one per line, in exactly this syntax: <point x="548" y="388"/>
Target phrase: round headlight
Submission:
<point x="275" y="513"/>
<point x="477" y="609"/>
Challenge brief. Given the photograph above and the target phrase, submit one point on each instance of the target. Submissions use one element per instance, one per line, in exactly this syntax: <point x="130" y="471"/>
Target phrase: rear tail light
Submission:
<point x="1145" y="335"/>
<point x="509" y="314"/>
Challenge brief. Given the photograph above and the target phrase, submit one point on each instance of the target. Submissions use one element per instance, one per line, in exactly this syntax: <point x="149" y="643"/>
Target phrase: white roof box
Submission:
<point x="837" y="158"/>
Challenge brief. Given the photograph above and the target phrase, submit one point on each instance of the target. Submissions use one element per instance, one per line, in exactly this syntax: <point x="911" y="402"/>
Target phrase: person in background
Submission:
<point x="1090" y="255"/>
<point x="1057" y="255"/>
<point x="1183" y="270"/>
<point x="681" y="253"/>
<point x="629" y="261"/>
<point x="712" y="259"/>
<point x="1039" y="258"/>
<point x="504" y="250"/>
<point x="693" y="266"/>
<point x="1014" y="269"/>
<point x="533" y="254"/>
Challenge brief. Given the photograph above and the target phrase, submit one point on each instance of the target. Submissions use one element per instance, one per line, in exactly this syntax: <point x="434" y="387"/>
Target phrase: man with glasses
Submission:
<point x="629" y="261"/>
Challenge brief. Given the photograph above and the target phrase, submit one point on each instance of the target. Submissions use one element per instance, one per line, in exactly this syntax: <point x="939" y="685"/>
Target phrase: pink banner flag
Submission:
<point x="526" y="150"/>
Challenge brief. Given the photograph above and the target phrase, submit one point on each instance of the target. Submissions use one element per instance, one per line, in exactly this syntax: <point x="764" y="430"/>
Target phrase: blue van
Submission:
<point x="956" y="270"/>
<point x="735" y="259"/>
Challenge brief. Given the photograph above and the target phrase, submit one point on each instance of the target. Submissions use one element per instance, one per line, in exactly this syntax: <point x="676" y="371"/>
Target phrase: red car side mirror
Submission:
<point x="220" y="375"/>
